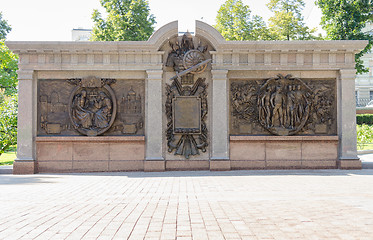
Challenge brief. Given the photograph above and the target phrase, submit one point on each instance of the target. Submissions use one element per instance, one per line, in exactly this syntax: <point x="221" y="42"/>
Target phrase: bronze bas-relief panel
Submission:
<point x="90" y="108"/>
<point x="283" y="106"/>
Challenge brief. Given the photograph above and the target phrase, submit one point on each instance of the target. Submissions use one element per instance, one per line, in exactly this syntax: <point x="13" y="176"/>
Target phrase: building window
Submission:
<point x="371" y="95"/>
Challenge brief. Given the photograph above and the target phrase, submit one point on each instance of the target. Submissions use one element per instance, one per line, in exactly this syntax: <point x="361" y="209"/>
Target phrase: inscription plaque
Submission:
<point x="187" y="115"/>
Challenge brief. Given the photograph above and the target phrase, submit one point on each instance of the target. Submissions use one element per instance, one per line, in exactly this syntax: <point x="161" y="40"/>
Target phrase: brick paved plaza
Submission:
<point x="299" y="204"/>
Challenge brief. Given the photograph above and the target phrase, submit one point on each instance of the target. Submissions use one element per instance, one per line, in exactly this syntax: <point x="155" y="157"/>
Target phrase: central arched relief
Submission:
<point x="186" y="105"/>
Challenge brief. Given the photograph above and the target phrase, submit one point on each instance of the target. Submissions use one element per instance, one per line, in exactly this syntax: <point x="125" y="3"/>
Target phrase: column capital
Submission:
<point x="25" y="74"/>
<point x="219" y="74"/>
<point x="347" y="74"/>
<point x="154" y="74"/>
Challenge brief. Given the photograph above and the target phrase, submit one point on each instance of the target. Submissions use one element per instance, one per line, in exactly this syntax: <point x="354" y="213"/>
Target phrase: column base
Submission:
<point x="24" y="167"/>
<point x="220" y="165"/>
<point x="349" y="163"/>
<point x="154" y="166"/>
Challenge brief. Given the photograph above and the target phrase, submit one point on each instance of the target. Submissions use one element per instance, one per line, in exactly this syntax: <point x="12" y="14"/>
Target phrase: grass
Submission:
<point x="364" y="136"/>
<point x="368" y="146"/>
<point x="8" y="157"/>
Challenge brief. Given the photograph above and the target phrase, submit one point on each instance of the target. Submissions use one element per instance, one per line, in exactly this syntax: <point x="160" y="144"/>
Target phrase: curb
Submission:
<point x="7" y="169"/>
<point x="361" y="152"/>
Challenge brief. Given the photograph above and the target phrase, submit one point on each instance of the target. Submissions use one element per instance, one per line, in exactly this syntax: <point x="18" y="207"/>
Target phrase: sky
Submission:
<point x="52" y="20"/>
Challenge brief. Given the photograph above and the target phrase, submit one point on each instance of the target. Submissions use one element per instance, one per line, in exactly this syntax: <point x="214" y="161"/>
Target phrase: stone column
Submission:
<point x="25" y="161"/>
<point x="154" y="160"/>
<point x="347" y="120"/>
<point x="219" y="129"/>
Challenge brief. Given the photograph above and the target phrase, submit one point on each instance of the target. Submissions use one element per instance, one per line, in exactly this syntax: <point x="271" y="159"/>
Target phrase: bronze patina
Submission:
<point x="90" y="106"/>
<point x="186" y="103"/>
<point x="93" y="105"/>
<point x="284" y="106"/>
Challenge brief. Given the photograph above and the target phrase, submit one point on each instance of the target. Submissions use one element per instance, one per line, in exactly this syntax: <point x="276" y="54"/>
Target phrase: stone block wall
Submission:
<point x="272" y="152"/>
<point x="82" y="154"/>
<point x="229" y="141"/>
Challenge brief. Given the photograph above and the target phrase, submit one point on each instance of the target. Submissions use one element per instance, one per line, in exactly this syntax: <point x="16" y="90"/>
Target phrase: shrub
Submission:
<point x="364" y="135"/>
<point x="8" y="121"/>
<point x="364" y="119"/>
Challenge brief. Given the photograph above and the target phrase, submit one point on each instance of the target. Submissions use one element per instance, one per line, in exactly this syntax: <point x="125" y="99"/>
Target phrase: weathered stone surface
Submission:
<point x="68" y="154"/>
<point x="185" y="165"/>
<point x="220" y="165"/>
<point x="154" y="166"/>
<point x="253" y="152"/>
<point x="24" y="167"/>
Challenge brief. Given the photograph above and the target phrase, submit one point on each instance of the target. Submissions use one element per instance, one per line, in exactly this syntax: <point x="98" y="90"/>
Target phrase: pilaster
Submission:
<point x="25" y="161"/>
<point x="153" y="122"/>
<point x="219" y="130"/>
<point x="347" y="120"/>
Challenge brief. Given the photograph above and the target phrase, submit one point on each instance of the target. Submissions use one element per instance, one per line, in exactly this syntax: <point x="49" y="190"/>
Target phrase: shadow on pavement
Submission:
<point x="233" y="173"/>
<point x="8" y="179"/>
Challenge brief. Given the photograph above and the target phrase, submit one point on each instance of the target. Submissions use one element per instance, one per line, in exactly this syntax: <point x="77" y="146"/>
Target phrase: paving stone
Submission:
<point x="298" y="204"/>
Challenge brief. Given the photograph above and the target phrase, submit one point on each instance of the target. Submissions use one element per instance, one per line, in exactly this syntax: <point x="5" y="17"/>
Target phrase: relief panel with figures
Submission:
<point x="283" y="106"/>
<point x="90" y="106"/>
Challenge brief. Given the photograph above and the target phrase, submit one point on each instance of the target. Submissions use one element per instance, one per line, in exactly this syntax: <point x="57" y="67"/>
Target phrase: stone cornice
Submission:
<point x="229" y="55"/>
<point x="87" y="55"/>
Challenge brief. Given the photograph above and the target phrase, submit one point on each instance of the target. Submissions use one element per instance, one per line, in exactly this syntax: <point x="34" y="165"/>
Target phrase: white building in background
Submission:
<point x="364" y="82"/>
<point x="81" y="34"/>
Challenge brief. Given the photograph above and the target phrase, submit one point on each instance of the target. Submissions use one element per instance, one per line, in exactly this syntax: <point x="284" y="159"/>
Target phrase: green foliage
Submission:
<point x="8" y="121"/>
<point x="234" y="22"/>
<point x="364" y="119"/>
<point x="127" y="20"/>
<point x="364" y="135"/>
<point x="287" y="22"/>
<point x="4" y="27"/>
<point x="7" y="158"/>
<point x="345" y="20"/>
<point x="8" y="91"/>
<point x="8" y="70"/>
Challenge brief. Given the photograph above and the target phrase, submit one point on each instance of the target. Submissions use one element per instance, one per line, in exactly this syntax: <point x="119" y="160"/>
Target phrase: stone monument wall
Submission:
<point x="189" y="102"/>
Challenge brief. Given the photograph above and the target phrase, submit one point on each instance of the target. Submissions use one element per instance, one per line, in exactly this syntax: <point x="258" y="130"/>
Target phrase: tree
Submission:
<point x="345" y="20"/>
<point x="4" y="27"/>
<point x="8" y="70"/>
<point x="127" y="20"/>
<point x="8" y="121"/>
<point x="8" y="91"/>
<point x="234" y="22"/>
<point x="287" y="22"/>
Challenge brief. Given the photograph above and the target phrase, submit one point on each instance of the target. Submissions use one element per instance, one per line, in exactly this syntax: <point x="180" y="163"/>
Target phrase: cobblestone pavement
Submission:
<point x="297" y="204"/>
